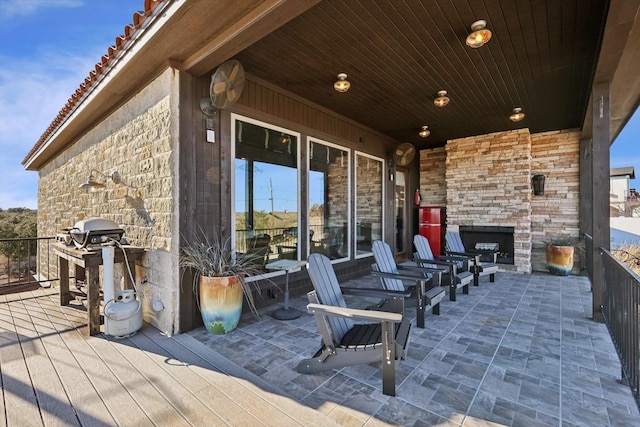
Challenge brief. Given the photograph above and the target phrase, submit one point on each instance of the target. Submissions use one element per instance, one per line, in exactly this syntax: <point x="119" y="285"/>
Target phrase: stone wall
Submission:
<point x="556" y="155"/>
<point x="134" y="141"/>
<point x="433" y="188"/>
<point x="488" y="182"/>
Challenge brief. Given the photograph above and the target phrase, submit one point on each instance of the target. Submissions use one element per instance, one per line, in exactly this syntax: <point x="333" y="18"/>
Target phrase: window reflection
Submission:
<point x="329" y="200"/>
<point x="369" y="180"/>
<point x="266" y="192"/>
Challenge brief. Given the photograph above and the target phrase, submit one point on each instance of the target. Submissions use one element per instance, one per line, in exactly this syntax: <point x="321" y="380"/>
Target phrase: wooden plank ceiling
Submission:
<point x="399" y="54"/>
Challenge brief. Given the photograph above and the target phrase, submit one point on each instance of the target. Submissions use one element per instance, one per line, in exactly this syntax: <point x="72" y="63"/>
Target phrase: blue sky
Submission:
<point x="50" y="46"/>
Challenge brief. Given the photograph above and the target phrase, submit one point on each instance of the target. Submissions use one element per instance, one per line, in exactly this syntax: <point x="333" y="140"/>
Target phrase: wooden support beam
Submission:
<point x="601" y="233"/>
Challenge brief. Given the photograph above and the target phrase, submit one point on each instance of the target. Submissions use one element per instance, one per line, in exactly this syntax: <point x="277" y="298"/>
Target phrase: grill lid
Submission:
<point x="95" y="231"/>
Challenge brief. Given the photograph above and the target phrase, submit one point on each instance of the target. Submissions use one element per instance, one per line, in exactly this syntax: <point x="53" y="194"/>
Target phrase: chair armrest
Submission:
<point x="374" y="292"/>
<point x="446" y="264"/>
<point x="402" y="277"/>
<point x="475" y="257"/>
<point x="355" y="314"/>
<point x="453" y="258"/>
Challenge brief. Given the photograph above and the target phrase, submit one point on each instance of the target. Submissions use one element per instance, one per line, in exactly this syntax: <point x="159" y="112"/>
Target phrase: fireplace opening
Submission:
<point x="485" y="238"/>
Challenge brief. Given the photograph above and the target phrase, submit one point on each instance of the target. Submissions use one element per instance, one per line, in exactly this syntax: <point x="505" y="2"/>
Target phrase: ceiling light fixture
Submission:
<point x="442" y="99"/>
<point x="480" y="34"/>
<point x="517" y="115"/>
<point x="424" y="132"/>
<point x="342" y="84"/>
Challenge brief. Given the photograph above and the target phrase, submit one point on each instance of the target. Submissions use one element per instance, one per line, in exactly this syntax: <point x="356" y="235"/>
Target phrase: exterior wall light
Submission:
<point x="93" y="184"/>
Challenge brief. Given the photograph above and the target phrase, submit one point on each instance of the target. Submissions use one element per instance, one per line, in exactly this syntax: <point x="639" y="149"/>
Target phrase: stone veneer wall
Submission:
<point x="557" y="156"/>
<point x="481" y="182"/>
<point x="488" y="183"/>
<point x="136" y="142"/>
<point x="433" y="188"/>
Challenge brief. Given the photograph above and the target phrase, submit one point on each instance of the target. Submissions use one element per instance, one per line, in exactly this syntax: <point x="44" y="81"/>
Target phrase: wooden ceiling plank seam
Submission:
<point x="500" y="21"/>
<point x="529" y="46"/>
<point x="429" y="34"/>
<point x="497" y="78"/>
<point x="483" y="53"/>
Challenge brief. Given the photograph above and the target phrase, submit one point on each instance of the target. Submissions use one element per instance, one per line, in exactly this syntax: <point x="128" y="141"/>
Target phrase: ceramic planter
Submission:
<point x="560" y="259"/>
<point x="220" y="303"/>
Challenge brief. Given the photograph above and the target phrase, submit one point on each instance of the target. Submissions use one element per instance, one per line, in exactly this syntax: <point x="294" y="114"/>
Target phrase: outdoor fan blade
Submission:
<point x="227" y="84"/>
<point x="219" y="87"/>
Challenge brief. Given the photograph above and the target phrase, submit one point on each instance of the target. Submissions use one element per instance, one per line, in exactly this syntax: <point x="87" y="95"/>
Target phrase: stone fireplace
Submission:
<point x="485" y="183"/>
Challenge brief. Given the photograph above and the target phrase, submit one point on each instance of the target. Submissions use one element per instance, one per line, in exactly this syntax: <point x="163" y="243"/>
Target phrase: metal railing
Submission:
<point x="21" y="260"/>
<point x="621" y="312"/>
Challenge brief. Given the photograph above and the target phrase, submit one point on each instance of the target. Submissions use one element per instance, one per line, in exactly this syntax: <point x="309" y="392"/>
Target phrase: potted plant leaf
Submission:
<point x="560" y="254"/>
<point x="219" y="281"/>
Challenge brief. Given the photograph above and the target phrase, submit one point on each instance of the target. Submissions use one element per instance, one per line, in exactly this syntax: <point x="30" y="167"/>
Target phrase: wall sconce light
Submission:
<point x="537" y="182"/>
<point x="442" y="99"/>
<point x="424" y="132"/>
<point x="479" y="35"/>
<point x="94" y="184"/>
<point x="342" y="84"/>
<point x="517" y="115"/>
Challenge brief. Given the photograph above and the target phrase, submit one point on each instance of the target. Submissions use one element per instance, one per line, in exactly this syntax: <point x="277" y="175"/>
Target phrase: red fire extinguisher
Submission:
<point x="417" y="198"/>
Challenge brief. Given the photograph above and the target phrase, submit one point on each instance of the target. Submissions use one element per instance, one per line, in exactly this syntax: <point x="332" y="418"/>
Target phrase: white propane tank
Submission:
<point x="122" y="315"/>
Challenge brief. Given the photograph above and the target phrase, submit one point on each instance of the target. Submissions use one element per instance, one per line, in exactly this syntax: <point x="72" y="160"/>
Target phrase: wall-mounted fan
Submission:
<point x="403" y="154"/>
<point x="226" y="87"/>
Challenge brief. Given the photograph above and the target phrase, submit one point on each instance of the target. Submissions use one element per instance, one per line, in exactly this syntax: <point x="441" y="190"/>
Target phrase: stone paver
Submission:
<point x="518" y="352"/>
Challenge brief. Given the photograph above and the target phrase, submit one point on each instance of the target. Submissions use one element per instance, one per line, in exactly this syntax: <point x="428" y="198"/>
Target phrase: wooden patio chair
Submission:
<point x="454" y="246"/>
<point x="384" y="338"/>
<point x="423" y="283"/>
<point x="258" y="247"/>
<point x="423" y="257"/>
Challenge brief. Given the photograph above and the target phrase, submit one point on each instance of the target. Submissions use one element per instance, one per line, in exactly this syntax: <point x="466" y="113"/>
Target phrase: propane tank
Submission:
<point x="122" y="313"/>
<point x="417" y="199"/>
<point x="123" y="316"/>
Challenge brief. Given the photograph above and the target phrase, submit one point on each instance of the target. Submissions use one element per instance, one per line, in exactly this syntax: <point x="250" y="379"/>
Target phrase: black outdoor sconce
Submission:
<point x="537" y="181"/>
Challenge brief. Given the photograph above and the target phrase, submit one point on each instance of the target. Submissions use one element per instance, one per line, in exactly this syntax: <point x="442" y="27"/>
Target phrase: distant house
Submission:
<point x="623" y="198"/>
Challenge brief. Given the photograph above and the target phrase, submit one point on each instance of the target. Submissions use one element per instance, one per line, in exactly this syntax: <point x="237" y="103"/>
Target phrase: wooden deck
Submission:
<point x="53" y="373"/>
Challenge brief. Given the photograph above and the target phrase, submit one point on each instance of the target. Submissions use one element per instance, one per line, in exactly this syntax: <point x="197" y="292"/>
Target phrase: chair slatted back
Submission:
<point x="423" y="250"/>
<point x="454" y="242"/>
<point x="385" y="263"/>
<point x="327" y="287"/>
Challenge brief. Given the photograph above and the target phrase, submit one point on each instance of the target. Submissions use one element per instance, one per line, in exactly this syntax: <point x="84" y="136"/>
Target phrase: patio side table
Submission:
<point x="286" y="312"/>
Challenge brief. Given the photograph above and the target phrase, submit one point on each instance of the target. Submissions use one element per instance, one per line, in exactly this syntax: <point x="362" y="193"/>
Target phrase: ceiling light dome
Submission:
<point x="442" y="99"/>
<point x="479" y="35"/>
<point x="517" y="115"/>
<point x="342" y="84"/>
<point x="424" y="132"/>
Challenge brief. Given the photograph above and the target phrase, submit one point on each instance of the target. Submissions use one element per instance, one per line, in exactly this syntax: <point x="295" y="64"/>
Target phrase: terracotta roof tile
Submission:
<point x="89" y="81"/>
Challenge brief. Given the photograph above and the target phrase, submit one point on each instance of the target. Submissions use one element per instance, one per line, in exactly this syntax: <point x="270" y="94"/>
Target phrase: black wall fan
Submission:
<point x="403" y="154"/>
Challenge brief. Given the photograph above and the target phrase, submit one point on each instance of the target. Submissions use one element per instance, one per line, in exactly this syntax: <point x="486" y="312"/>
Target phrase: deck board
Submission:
<point x="81" y="393"/>
<point x="53" y="373"/>
<point x="51" y="395"/>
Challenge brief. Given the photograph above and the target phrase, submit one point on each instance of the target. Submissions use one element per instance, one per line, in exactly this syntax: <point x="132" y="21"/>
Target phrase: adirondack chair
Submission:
<point x="424" y="283"/>
<point x="454" y="246"/>
<point x="424" y="258"/>
<point x="384" y="338"/>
